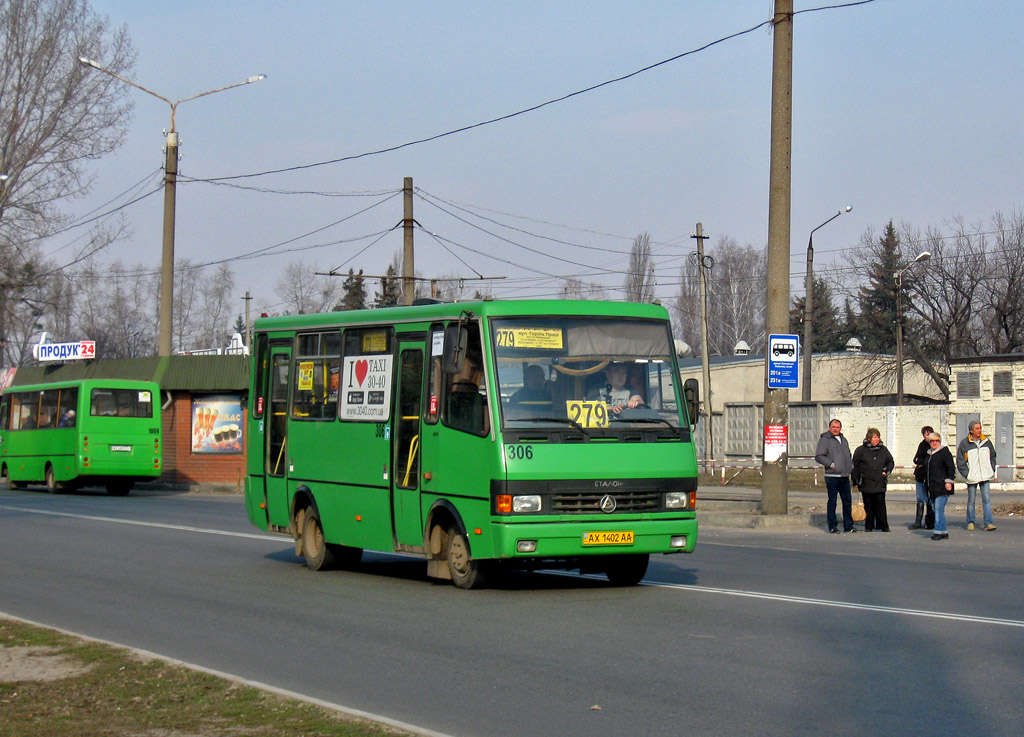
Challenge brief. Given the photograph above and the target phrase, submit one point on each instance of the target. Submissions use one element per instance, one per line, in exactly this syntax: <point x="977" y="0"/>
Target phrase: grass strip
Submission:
<point x="56" y="684"/>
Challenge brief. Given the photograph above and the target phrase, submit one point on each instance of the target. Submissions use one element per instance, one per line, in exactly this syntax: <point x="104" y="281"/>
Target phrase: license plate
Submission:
<point x="608" y="538"/>
<point x="120" y="449"/>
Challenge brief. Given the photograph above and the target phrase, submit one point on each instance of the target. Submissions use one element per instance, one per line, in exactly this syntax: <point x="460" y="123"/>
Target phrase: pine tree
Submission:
<point x="354" y="292"/>
<point x="876" y="301"/>
<point x="828" y="334"/>
<point x="388" y="294"/>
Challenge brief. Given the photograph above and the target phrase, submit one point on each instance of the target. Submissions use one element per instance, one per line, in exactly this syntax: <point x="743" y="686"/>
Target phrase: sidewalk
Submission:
<point x="740" y="506"/>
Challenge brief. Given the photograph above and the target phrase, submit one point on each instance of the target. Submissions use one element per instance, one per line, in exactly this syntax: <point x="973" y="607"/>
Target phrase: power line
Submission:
<point x="530" y="109"/>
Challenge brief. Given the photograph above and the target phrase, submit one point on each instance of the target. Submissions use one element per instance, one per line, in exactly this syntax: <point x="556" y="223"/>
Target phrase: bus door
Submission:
<point x="276" y="453"/>
<point x="406" y="448"/>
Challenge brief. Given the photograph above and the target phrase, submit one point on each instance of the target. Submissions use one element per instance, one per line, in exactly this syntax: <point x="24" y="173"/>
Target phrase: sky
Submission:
<point x="903" y="109"/>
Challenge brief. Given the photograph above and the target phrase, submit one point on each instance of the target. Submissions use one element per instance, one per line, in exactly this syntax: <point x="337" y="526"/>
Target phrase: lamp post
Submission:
<point x="170" y="179"/>
<point x="923" y="256"/>
<point x="805" y="393"/>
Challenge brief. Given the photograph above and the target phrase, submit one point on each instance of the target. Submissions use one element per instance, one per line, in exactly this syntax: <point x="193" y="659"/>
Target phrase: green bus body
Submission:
<point x="113" y="438"/>
<point x="428" y="430"/>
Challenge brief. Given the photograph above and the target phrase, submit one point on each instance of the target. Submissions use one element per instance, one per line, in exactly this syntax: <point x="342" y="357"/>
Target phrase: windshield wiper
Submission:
<point x="566" y="421"/>
<point x="653" y="421"/>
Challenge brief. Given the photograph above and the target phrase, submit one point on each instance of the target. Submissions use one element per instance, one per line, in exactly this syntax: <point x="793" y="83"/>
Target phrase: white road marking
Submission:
<point x="967" y="618"/>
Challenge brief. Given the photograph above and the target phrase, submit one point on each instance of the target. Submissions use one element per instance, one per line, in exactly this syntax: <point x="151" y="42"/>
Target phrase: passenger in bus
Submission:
<point x="45" y="419"/>
<point x="28" y="420"/>
<point x="615" y="393"/>
<point x="68" y="420"/>
<point x="534" y="390"/>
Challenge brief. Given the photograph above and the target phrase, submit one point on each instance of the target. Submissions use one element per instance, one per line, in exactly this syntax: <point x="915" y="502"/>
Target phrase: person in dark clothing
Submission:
<point x="924" y="502"/>
<point x="872" y="464"/>
<point x="939" y="472"/>
<point x="833" y="452"/>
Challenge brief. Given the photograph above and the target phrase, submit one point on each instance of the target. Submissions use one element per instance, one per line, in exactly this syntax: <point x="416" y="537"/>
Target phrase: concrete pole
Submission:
<point x="248" y="320"/>
<point x="774" y="493"/>
<point x="167" y="259"/>
<point x="807" y="350"/>
<point x="408" y="266"/>
<point x="709" y="440"/>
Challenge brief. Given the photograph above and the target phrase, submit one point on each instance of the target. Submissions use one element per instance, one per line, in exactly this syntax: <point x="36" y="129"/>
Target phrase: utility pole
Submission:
<point x="774" y="493"/>
<point x="408" y="266"/>
<point x="248" y="323"/>
<point x="167" y="259"/>
<point x="709" y="447"/>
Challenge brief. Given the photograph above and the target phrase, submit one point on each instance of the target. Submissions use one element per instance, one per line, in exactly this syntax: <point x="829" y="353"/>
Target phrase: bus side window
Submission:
<point x="466" y="391"/>
<point x="4" y="412"/>
<point x="433" y="412"/>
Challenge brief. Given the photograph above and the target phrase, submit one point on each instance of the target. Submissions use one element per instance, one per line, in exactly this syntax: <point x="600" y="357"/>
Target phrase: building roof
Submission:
<point x="172" y="373"/>
<point x="999" y="358"/>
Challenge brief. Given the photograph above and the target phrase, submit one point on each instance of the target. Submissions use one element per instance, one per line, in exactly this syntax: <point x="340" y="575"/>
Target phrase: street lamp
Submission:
<point x="923" y="256"/>
<point x="170" y="179"/>
<point x="805" y="393"/>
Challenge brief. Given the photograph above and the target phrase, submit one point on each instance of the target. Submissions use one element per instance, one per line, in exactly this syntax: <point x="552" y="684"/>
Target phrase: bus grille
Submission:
<point x="588" y="502"/>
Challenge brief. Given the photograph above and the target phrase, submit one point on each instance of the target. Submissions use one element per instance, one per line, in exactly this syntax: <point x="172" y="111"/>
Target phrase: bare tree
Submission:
<point x="640" y="283"/>
<point x="54" y="119"/>
<point x="574" y="288"/>
<point x="114" y="306"/>
<point x="737" y="282"/>
<point x="303" y="292"/>
<point x="1004" y="296"/>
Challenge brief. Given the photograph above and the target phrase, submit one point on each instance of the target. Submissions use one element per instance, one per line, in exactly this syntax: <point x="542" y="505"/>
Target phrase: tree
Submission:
<point x="876" y="300"/>
<point x="55" y="117"/>
<point x="574" y="288"/>
<point x="303" y="293"/>
<point x="830" y="334"/>
<point x="388" y="294"/>
<point x="736" y="287"/>
<point x="640" y="283"/>
<point x="354" y="296"/>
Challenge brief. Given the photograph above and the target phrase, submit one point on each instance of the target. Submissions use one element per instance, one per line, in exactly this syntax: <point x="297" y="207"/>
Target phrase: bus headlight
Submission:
<point x="530" y="503"/>
<point x="676" y="500"/>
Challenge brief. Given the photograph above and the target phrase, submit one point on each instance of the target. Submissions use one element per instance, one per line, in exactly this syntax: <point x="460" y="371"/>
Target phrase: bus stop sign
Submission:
<point x="783" y="361"/>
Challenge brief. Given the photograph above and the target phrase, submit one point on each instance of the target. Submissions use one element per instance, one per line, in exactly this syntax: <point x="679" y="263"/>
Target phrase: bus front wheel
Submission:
<point x="7" y="478"/>
<point x="626" y="570"/>
<point x="464" y="570"/>
<point x="315" y="550"/>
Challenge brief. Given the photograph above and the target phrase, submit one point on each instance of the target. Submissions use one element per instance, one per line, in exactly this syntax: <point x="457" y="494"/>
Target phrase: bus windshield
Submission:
<point x="586" y="372"/>
<point x="120" y="403"/>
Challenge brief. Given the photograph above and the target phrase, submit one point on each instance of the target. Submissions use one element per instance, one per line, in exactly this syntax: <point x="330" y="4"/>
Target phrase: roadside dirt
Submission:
<point x="33" y="663"/>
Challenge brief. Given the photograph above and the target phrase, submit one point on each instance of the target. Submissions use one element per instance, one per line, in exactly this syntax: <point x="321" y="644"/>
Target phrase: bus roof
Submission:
<point x="481" y="308"/>
<point x="87" y="384"/>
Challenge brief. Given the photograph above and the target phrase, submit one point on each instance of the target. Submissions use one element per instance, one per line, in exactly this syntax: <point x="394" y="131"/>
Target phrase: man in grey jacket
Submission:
<point x="833" y="452"/>
<point x="976" y="462"/>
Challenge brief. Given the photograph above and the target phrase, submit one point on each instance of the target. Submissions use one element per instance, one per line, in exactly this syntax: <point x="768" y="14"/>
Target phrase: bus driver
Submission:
<point x="615" y="393"/>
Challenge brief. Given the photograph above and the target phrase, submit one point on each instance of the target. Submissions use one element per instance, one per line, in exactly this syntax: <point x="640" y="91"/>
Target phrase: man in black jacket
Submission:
<point x="833" y="452"/>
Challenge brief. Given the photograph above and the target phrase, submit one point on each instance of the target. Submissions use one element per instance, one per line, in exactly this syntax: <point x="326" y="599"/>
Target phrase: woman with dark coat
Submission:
<point x="924" y="502"/>
<point x="939" y="471"/>
<point x="872" y="464"/>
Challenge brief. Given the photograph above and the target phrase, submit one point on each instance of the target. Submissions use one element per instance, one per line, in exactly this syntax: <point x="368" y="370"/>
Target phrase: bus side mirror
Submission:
<point x="455" y="339"/>
<point x="691" y="393"/>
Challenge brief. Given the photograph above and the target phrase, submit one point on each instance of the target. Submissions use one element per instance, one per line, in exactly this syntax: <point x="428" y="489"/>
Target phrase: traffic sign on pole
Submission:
<point x="783" y="360"/>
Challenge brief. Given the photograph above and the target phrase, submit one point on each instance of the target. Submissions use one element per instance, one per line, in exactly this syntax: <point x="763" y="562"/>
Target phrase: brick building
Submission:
<point x="202" y="399"/>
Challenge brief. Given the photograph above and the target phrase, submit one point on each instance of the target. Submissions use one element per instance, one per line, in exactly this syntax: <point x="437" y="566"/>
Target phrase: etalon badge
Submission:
<point x="608" y="504"/>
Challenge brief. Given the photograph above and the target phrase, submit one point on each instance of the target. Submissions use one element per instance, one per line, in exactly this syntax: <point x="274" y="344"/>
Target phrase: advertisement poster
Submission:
<point x="366" y="388"/>
<point x="218" y="423"/>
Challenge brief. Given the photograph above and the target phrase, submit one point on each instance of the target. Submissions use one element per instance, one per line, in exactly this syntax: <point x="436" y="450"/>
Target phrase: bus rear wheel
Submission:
<point x="626" y="570"/>
<point x="315" y="550"/>
<point x="464" y="570"/>
<point x="52" y="485"/>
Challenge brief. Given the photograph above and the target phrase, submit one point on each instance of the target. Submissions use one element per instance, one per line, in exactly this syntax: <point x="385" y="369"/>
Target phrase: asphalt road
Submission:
<point x="762" y="632"/>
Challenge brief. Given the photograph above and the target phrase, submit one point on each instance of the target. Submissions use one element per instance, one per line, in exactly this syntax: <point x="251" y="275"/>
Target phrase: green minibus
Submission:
<point x="90" y="432"/>
<point x="479" y="436"/>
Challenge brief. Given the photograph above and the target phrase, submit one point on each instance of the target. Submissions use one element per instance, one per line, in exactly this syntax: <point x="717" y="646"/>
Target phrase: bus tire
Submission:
<point x="52" y="485"/>
<point x="118" y="488"/>
<point x="318" y="554"/>
<point x="626" y="570"/>
<point x="464" y="570"/>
